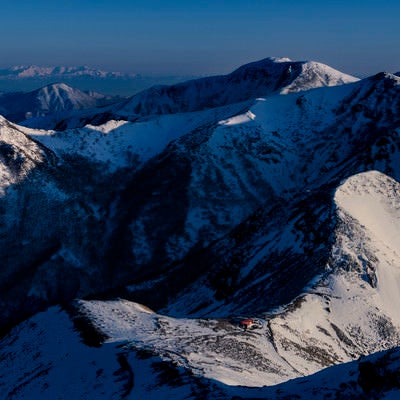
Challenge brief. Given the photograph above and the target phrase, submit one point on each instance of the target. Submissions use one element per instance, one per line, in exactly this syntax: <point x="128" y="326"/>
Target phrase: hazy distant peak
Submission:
<point x="49" y="99"/>
<point x="61" y="89"/>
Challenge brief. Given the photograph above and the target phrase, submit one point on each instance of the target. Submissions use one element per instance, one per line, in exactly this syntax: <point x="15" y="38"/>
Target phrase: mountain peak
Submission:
<point x="48" y="99"/>
<point x="315" y="74"/>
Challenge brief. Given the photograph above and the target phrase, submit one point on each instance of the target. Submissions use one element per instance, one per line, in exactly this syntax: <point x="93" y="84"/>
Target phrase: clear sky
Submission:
<point x="200" y="37"/>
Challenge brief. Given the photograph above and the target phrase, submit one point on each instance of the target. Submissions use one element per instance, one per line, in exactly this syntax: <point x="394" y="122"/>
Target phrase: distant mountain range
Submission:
<point x="29" y="78"/>
<point x="34" y="71"/>
<point x="268" y="194"/>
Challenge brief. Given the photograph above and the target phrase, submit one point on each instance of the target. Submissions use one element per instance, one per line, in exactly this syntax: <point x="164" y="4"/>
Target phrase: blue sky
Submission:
<point x="200" y="37"/>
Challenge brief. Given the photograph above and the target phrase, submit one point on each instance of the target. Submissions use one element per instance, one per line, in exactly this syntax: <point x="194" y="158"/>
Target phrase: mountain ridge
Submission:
<point x="257" y="79"/>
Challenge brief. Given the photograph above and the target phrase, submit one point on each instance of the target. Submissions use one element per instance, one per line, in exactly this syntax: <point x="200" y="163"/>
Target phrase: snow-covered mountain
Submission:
<point x="250" y="81"/>
<point x="281" y="207"/>
<point x="247" y="83"/>
<point x="49" y="99"/>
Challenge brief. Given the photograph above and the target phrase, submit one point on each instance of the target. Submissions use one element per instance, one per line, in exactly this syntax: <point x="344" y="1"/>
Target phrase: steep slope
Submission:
<point x="59" y="197"/>
<point x="248" y="82"/>
<point x="53" y="220"/>
<point x="50" y="99"/>
<point x="351" y="310"/>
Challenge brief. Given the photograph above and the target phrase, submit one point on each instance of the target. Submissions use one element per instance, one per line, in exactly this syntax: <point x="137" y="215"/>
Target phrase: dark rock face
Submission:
<point x="379" y="376"/>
